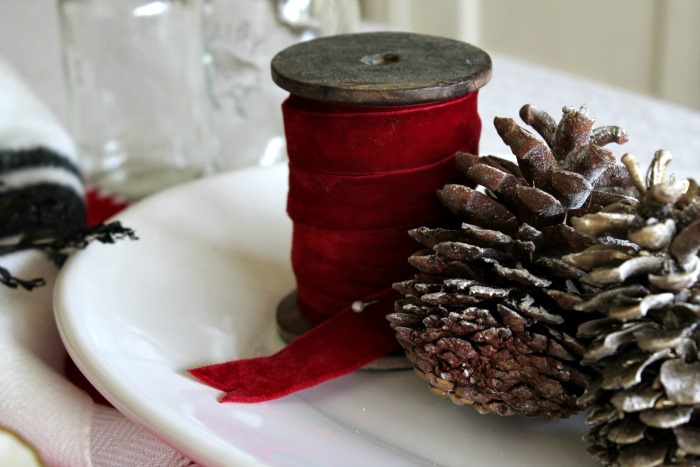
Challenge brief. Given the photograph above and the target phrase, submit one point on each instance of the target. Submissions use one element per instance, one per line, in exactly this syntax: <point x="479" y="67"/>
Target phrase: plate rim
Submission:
<point x="176" y="436"/>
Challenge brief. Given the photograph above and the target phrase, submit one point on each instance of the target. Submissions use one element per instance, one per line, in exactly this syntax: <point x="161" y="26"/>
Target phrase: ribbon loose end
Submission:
<point x="340" y="345"/>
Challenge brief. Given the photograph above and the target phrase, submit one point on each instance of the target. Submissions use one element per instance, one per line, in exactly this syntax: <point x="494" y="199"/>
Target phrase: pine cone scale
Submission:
<point x="681" y="381"/>
<point x="688" y="439"/>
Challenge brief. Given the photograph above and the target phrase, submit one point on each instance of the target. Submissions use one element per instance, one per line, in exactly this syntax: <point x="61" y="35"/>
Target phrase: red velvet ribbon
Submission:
<point x="359" y="178"/>
<point x="101" y="206"/>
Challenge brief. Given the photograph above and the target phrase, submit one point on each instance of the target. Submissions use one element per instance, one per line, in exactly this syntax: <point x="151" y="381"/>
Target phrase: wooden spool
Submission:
<point x="380" y="68"/>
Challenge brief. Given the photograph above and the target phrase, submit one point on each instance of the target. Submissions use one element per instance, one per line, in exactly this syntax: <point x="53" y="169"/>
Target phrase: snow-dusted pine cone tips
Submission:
<point x="644" y="409"/>
<point x="489" y="319"/>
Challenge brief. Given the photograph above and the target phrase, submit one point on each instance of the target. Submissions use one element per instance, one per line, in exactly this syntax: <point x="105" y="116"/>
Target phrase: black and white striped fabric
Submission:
<point x="41" y="190"/>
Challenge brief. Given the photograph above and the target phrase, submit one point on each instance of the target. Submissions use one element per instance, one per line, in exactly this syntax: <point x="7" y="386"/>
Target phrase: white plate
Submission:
<point x="201" y="286"/>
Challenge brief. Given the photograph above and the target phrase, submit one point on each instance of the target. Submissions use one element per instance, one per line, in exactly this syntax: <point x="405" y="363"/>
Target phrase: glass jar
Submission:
<point x="138" y="107"/>
<point x="240" y="39"/>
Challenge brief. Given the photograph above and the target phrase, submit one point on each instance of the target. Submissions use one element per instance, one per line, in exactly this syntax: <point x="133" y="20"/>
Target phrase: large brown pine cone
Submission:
<point x="489" y="318"/>
<point x="644" y="409"/>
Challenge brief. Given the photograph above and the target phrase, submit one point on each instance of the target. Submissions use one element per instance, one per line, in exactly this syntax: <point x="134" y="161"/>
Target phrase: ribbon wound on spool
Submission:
<point x="360" y="177"/>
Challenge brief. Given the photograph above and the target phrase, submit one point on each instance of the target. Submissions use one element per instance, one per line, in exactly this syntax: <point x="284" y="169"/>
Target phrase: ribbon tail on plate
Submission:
<point x="340" y="345"/>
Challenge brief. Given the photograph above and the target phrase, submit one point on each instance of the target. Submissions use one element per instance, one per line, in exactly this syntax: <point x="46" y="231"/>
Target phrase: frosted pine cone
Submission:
<point x="490" y="320"/>
<point x="644" y="409"/>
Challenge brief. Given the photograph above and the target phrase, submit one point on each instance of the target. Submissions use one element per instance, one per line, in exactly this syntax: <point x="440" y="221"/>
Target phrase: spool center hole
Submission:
<point x="380" y="59"/>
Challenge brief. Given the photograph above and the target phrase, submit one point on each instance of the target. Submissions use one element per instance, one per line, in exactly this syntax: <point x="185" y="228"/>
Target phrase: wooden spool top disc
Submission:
<point x="381" y="68"/>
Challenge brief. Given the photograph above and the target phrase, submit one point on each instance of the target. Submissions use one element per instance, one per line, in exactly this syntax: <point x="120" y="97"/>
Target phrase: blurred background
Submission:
<point x="647" y="46"/>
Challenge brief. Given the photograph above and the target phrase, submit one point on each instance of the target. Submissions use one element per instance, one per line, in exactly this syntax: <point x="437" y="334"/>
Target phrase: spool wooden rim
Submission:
<point x="381" y="68"/>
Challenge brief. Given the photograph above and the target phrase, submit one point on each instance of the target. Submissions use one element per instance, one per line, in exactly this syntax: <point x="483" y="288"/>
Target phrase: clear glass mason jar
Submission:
<point x="240" y="39"/>
<point x="137" y="92"/>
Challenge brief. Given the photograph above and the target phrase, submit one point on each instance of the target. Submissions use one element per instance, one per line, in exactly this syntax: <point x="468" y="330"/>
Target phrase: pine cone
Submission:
<point x="489" y="319"/>
<point x="644" y="409"/>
